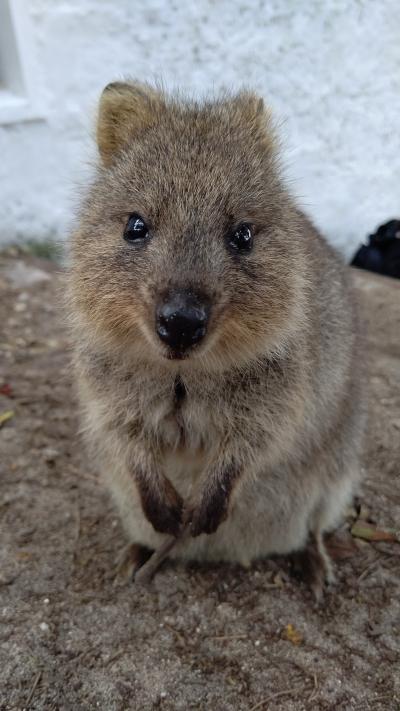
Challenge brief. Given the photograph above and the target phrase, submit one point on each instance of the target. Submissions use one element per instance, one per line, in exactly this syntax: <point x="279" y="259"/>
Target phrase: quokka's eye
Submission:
<point x="136" y="229"/>
<point x="241" y="238"/>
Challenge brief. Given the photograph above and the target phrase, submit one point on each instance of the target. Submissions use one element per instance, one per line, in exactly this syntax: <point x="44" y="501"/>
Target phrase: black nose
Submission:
<point x="181" y="320"/>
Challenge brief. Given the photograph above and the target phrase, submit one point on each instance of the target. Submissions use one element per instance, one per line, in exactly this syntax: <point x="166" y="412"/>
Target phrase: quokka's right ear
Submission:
<point x="125" y="110"/>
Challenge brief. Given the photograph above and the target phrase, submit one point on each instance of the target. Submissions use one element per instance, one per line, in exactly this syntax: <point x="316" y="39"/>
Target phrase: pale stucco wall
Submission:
<point x="329" y="68"/>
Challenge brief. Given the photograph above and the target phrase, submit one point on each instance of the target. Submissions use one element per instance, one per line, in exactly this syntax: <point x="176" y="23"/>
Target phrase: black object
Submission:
<point x="382" y="253"/>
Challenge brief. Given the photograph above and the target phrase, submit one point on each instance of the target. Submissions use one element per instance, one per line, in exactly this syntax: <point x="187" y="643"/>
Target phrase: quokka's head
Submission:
<point x="187" y="251"/>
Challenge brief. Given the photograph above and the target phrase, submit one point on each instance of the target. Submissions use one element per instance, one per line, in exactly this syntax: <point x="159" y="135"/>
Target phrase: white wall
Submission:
<point x="329" y="68"/>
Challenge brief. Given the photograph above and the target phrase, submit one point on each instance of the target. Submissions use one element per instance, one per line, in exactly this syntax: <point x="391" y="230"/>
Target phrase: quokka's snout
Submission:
<point x="182" y="318"/>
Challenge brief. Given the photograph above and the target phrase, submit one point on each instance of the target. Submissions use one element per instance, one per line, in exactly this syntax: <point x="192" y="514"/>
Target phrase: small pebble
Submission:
<point x="20" y="306"/>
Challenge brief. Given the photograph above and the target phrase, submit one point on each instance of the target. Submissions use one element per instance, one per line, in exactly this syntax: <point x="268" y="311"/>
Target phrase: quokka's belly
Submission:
<point x="263" y="519"/>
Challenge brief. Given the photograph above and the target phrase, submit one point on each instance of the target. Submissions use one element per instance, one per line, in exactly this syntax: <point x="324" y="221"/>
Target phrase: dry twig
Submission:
<point x="34" y="685"/>
<point x="146" y="573"/>
<point x="271" y="697"/>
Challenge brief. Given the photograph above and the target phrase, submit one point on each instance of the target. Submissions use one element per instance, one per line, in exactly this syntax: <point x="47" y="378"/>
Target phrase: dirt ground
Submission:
<point x="218" y="638"/>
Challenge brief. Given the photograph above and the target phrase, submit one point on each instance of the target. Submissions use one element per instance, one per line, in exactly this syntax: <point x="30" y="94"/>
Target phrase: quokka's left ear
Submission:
<point x="125" y="110"/>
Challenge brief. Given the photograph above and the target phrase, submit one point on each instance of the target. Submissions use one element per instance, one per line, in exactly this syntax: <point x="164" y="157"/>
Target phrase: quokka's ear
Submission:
<point x="125" y="110"/>
<point x="251" y="108"/>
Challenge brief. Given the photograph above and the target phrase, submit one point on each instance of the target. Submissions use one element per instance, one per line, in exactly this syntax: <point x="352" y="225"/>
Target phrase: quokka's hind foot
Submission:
<point x="313" y="566"/>
<point x="130" y="561"/>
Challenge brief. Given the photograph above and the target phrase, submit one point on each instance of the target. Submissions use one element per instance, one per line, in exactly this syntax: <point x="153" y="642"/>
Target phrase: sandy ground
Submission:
<point x="200" y="638"/>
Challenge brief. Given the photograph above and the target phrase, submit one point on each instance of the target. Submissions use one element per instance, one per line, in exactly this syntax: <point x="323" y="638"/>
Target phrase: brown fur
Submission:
<point x="258" y="431"/>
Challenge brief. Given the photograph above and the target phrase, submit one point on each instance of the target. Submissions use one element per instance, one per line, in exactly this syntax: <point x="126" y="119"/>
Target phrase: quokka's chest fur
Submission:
<point x="165" y="410"/>
<point x="195" y="416"/>
<point x="182" y="420"/>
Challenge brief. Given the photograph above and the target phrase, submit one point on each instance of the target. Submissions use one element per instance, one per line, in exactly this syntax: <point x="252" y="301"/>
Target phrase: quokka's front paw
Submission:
<point x="208" y="515"/>
<point x="163" y="509"/>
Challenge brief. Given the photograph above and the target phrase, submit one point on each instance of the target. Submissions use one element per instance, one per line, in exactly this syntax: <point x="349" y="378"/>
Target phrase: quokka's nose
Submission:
<point x="181" y="321"/>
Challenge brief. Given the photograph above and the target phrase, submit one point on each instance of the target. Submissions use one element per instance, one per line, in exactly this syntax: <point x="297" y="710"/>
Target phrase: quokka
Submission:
<point x="215" y="335"/>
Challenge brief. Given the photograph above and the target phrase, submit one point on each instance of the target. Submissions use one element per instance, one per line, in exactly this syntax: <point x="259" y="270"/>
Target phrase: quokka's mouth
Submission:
<point x="180" y="354"/>
<point x="172" y="354"/>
